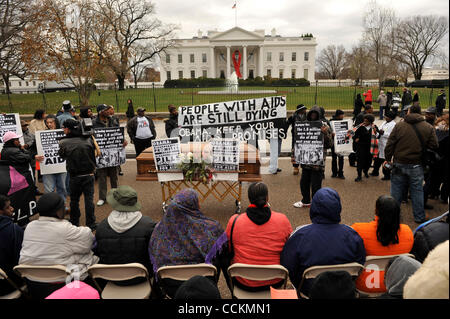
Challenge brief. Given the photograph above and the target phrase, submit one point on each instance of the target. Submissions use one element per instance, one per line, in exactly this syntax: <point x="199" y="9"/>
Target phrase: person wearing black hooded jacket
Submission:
<point x="299" y="115"/>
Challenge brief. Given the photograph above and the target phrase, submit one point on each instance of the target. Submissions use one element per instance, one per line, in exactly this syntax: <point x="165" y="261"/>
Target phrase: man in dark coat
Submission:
<point x="441" y="100"/>
<point x="171" y="124"/>
<point x="299" y="115"/>
<point x="11" y="236"/>
<point x="324" y="242"/>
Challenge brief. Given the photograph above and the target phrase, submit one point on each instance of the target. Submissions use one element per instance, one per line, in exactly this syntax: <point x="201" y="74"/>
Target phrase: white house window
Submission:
<point x="281" y="56"/>
<point x="180" y="74"/>
<point x="294" y="56"/>
<point x="169" y="77"/>
<point x="192" y="74"/>
<point x="269" y="56"/>
<point x="20" y="83"/>
<point x="168" y="58"/>
<point x="281" y="73"/>
<point x="34" y="83"/>
<point x="293" y="74"/>
<point x="180" y="58"/>
<point x="204" y="57"/>
<point x="306" y="56"/>
<point x="192" y="58"/>
<point x="305" y="73"/>
<point x="205" y="73"/>
<point x="269" y="72"/>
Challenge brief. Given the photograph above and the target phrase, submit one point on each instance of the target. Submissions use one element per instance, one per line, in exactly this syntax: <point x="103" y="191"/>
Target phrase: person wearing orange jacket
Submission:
<point x="382" y="237"/>
<point x="368" y="97"/>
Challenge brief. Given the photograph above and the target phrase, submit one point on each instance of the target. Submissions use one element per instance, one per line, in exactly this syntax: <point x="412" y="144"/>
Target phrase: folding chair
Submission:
<point x="43" y="280"/>
<point x="257" y="273"/>
<point x="354" y="269"/>
<point x="121" y="272"/>
<point x="185" y="272"/>
<point x="18" y="291"/>
<point x="380" y="263"/>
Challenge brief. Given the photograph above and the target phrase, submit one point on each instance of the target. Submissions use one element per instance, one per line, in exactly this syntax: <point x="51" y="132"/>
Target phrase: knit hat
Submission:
<point x="49" y="204"/>
<point x="123" y="199"/>
<point x="301" y="107"/>
<point x="398" y="273"/>
<point x="10" y="136"/>
<point x="102" y="107"/>
<point x="198" y="287"/>
<point x="333" y="285"/>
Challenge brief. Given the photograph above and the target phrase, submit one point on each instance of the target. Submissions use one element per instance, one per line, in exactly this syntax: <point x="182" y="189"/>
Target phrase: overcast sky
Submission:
<point x="330" y="21"/>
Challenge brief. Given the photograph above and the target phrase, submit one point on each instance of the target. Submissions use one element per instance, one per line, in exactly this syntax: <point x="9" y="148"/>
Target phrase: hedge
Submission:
<point x="213" y="82"/>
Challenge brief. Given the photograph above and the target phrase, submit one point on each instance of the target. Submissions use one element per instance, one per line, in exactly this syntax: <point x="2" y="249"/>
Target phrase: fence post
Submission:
<point x="431" y="96"/>
<point x="192" y="95"/>
<point x="354" y="96"/>
<point x="44" y="100"/>
<point x="315" y="95"/>
<point x="117" y="99"/>
<point x="154" y="96"/>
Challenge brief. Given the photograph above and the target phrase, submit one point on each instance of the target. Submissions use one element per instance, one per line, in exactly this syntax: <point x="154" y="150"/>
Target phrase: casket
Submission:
<point x="249" y="164"/>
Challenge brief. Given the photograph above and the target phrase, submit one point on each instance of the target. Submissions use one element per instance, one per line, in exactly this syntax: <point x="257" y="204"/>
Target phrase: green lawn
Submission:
<point x="330" y="98"/>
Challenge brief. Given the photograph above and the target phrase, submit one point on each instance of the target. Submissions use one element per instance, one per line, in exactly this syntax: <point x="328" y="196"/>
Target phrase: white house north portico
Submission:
<point x="262" y="55"/>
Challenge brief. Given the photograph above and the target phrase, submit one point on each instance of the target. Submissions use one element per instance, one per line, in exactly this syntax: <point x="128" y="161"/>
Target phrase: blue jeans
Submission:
<point x="56" y="182"/>
<point x="381" y="111"/>
<point x="409" y="176"/>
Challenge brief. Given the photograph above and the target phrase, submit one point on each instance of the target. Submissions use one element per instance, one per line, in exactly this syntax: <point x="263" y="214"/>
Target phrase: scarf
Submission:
<point x="373" y="139"/>
<point x="184" y="235"/>
<point x="120" y="222"/>
<point x="258" y="215"/>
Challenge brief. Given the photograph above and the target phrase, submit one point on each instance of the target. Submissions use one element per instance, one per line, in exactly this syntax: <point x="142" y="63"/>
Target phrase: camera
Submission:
<point x="86" y="127"/>
<point x="388" y="166"/>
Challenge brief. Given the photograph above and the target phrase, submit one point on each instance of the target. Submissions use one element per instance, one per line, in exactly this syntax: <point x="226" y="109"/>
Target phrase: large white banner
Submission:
<point x="342" y="146"/>
<point x="10" y="122"/>
<point x="48" y="146"/>
<point x="242" y="119"/>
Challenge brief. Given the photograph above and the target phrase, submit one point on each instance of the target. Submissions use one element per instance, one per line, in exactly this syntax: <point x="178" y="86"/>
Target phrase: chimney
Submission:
<point x="200" y="33"/>
<point x="274" y="32"/>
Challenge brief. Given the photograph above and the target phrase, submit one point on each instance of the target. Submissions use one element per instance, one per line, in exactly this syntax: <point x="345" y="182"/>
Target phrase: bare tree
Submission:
<point x="331" y="61"/>
<point x="59" y="45"/>
<point x="417" y="39"/>
<point x="126" y="25"/>
<point x="378" y="36"/>
<point x="137" y="68"/>
<point x="358" y="60"/>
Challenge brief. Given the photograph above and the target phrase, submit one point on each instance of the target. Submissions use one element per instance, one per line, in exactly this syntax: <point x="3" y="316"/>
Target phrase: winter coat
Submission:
<point x="52" y="241"/>
<point x="358" y="106"/>
<point x="291" y="122"/>
<point x="324" y="242"/>
<point x="368" y="96"/>
<point x="37" y="125"/>
<point x="428" y="237"/>
<point x="79" y="153"/>
<point x="111" y="122"/>
<point x="172" y="124"/>
<point x="382" y="100"/>
<point x="431" y="280"/>
<point x="19" y="158"/>
<point x="11" y="236"/>
<point x="63" y="117"/>
<point x="387" y="129"/>
<point x="129" y="246"/>
<point x="440" y="101"/>
<point x="403" y="143"/>
<point x="406" y="98"/>
<point x="132" y="127"/>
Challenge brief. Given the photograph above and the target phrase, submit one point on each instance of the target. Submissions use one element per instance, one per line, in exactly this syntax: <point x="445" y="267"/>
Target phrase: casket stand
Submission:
<point x="249" y="171"/>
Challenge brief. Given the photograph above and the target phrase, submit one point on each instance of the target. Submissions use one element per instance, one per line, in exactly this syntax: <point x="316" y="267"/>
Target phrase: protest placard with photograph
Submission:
<point x="110" y="141"/>
<point x="166" y="153"/>
<point x="225" y="154"/>
<point x="308" y="148"/>
<point x="342" y="146"/>
<point x="244" y="120"/>
<point x="47" y="143"/>
<point x="10" y="122"/>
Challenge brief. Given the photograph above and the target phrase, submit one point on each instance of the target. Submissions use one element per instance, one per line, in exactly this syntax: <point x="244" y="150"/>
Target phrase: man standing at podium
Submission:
<point x="141" y="130"/>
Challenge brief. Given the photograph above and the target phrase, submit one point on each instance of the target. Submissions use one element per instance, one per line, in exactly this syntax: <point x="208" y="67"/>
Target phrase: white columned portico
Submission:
<point x="261" y="61"/>
<point x="228" y="62"/>
<point x="244" y="66"/>
<point x="212" y="62"/>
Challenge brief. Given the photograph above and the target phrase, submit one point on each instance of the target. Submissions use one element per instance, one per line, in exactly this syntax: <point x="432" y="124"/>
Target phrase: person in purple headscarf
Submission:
<point x="185" y="236"/>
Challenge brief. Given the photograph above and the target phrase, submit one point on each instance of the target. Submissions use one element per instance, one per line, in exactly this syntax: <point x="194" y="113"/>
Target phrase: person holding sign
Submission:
<point x="385" y="130"/>
<point x="312" y="166"/>
<point x="105" y="119"/>
<point x="299" y="115"/>
<point x="141" y="130"/>
<point x="337" y="171"/>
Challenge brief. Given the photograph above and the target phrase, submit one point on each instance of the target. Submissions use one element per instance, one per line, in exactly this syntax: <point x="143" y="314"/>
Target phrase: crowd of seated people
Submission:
<point x="259" y="236"/>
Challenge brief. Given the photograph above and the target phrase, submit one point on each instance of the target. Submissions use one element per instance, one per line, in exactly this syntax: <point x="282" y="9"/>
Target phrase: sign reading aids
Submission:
<point x="340" y="129"/>
<point x="48" y="146"/>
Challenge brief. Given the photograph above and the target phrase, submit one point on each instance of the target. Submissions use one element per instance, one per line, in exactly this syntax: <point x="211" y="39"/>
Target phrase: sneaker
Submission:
<point x="341" y="176"/>
<point x="300" y="204"/>
<point x="120" y="173"/>
<point x="279" y="170"/>
<point x="366" y="175"/>
<point x="100" y="202"/>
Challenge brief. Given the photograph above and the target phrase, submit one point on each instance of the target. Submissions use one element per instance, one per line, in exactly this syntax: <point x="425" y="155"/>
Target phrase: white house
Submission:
<point x="212" y="55"/>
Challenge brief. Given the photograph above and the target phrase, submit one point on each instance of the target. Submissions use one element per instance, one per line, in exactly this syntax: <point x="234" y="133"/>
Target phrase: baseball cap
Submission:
<point x="10" y="136"/>
<point x="140" y="109"/>
<point x="102" y="107"/>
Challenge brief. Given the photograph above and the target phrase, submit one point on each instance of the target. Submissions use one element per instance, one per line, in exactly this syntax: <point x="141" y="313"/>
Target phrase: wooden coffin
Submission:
<point x="249" y="167"/>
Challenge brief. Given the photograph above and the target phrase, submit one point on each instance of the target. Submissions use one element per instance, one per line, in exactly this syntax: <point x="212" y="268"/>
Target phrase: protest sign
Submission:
<point x="47" y="143"/>
<point x="110" y="141"/>
<point x="225" y="154"/>
<point x="342" y="146"/>
<point x="308" y="148"/>
<point x="243" y="119"/>
<point x="166" y="153"/>
<point x="10" y="122"/>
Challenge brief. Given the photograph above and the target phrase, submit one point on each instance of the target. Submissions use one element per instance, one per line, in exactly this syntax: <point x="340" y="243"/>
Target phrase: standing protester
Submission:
<point x="171" y="124"/>
<point x="312" y="175"/>
<point x="69" y="113"/>
<point x="440" y="102"/>
<point x="406" y="101"/>
<point x="415" y="96"/>
<point x="384" y="132"/>
<point x="439" y="172"/>
<point x="358" y="106"/>
<point x="102" y="120"/>
<point x="365" y="144"/>
<point x="130" y="110"/>
<point x="382" y="100"/>
<point x="37" y="123"/>
<point x="30" y="145"/>
<point x="430" y="115"/>
<point x="338" y="171"/>
<point x="396" y="103"/>
<point x="389" y="97"/>
<point x="79" y="153"/>
<point x="406" y="150"/>
<point x="55" y="181"/>
<point x="368" y="97"/>
<point x="116" y="122"/>
<point x="299" y="115"/>
<point x="86" y="113"/>
<point x="368" y="109"/>
<point x="11" y="236"/>
<point x="141" y="130"/>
